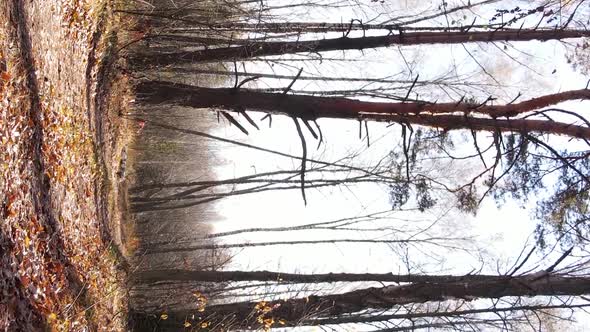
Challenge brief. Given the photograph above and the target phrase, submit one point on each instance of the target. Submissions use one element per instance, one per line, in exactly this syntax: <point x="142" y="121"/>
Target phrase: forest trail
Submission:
<point x="59" y="244"/>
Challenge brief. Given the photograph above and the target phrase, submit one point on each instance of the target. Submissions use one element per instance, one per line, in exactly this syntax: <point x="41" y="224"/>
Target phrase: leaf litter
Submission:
<point x="57" y="271"/>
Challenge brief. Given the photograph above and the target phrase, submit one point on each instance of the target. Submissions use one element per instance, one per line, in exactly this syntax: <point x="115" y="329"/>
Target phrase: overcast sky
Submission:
<point x="502" y="231"/>
<point x="497" y="234"/>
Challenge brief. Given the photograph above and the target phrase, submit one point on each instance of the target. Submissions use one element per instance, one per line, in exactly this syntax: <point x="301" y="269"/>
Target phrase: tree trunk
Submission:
<point x="181" y="247"/>
<point x="258" y="49"/>
<point x="310" y="27"/>
<point x="291" y="312"/>
<point x="445" y="313"/>
<point x="312" y="107"/>
<point x="225" y="276"/>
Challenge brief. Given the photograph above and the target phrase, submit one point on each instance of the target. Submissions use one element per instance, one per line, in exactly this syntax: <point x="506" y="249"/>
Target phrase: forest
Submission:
<point x="298" y="165"/>
<point x="400" y="124"/>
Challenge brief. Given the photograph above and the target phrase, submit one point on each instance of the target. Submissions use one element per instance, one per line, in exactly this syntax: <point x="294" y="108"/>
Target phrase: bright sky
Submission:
<point x="499" y="233"/>
<point x="508" y="227"/>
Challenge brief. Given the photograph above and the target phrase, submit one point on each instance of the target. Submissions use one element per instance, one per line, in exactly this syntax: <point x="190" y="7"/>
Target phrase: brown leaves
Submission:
<point x="5" y="78"/>
<point x="51" y="250"/>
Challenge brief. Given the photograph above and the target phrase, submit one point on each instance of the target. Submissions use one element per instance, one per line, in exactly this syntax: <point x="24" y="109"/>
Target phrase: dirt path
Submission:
<point x="58" y="265"/>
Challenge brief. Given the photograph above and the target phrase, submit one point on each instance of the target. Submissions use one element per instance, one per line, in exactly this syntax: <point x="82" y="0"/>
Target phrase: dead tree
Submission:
<point x="295" y="311"/>
<point x="260" y="49"/>
<point x="309" y="108"/>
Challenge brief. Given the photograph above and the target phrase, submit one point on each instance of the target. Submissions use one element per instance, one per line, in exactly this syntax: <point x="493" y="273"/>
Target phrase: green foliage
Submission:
<point x="566" y="209"/>
<point x="555" y="183"/>
<point x="579" y="57"/>
<point x="523" y="172"/>
<point x="423" y="196"/>
<point x="467" y="200"/>
<point x="399" y="194"/>
<point x="404" y="164"/>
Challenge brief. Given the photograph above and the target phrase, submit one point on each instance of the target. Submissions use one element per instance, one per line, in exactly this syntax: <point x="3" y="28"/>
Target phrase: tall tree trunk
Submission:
<point x="363" y="318"/>
<point x="224" y="276"/>
<point x="290" y="312"/>
<point x="312" y="107"/>
<point x="258" y="49"/>
<point x="305" y="78"/>
<point x="182" y="247"/>
<point x="309" y="27"/>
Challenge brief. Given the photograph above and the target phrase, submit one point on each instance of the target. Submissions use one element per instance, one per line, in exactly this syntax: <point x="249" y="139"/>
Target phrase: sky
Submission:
<point x="497" y="234"/>
<point x="505" y="229"/>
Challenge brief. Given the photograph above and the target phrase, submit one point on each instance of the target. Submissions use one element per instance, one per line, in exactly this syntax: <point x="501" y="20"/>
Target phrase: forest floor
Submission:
<point x="62" y="265"/>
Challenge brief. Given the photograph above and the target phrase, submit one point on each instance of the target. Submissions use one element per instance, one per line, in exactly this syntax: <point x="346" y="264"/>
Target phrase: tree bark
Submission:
<point x="258" y="49"/>
<point x="225" y="276"/>
<point x="291" y="312"/>
<point x="439" y="115"/>
<point x="313" y="27"/>
<point x="351" y="319"/>
<point x="178" y="247"/>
